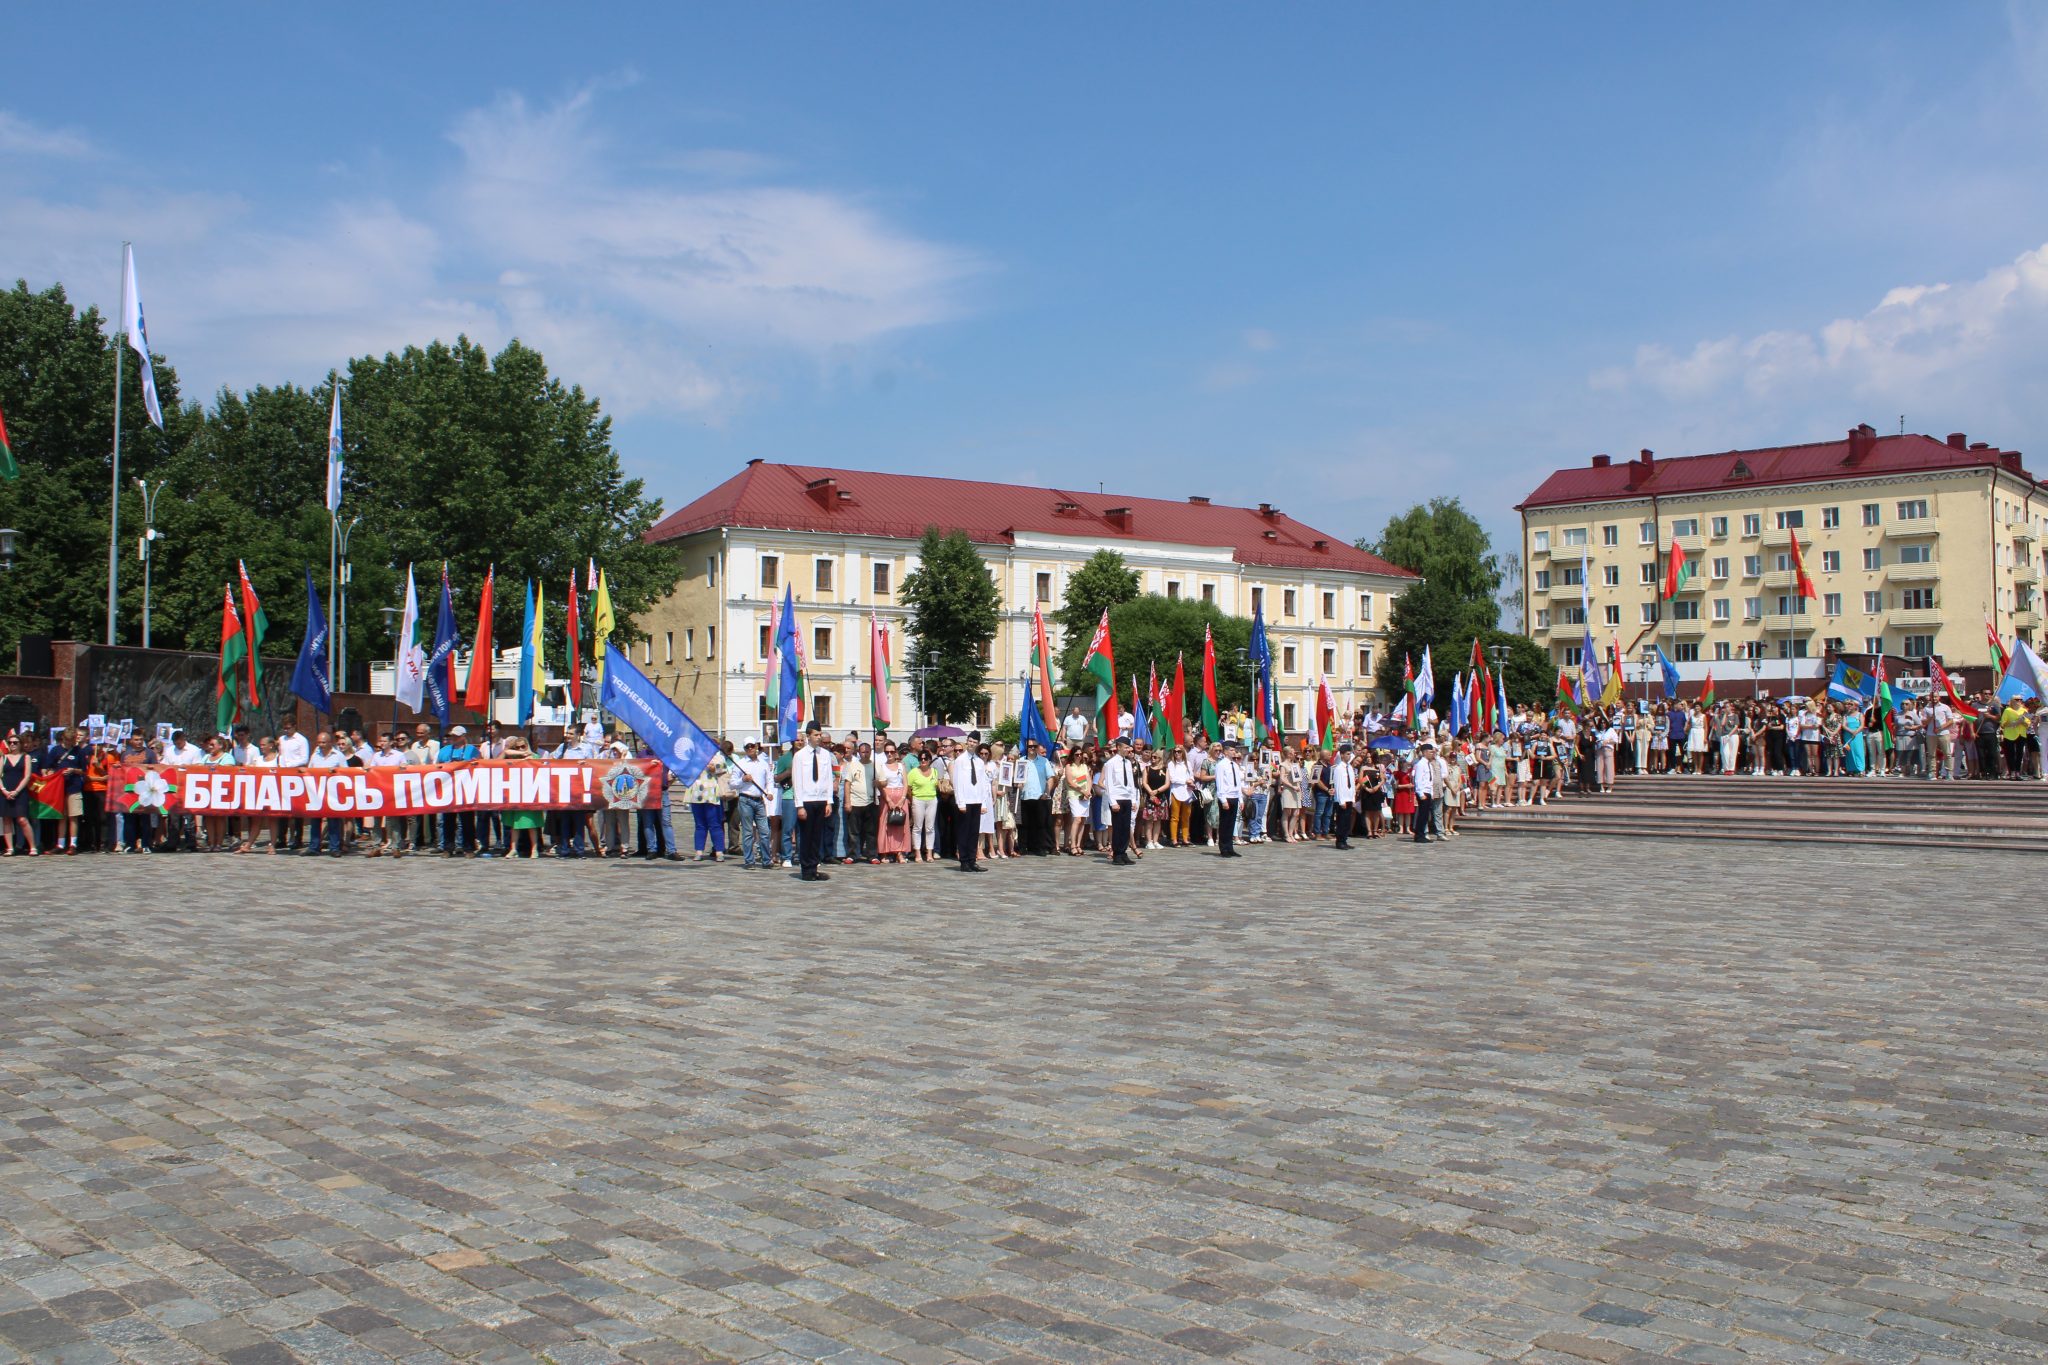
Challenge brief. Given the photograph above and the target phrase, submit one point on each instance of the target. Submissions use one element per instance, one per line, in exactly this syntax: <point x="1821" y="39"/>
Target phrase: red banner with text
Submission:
<point x="488" y="784"/>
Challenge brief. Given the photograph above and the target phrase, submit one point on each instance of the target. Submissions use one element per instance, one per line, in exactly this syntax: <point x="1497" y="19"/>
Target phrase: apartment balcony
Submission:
<point x="2026" y="619"/>
<point x="1686" y="630"/>
<point x="2022" y="532"/>
<point x="1913" y="616"/>
<point x="1539" y="551"/>
<point x="1915" y="528"/>
<point x="1779" y="578"/>
<point x="1912" y="573"/>
<point x="2026" y="573"/>
<point x="1698" y="583"/>
<point x="1799" y="623"/>
<point x="1688" y="545"/>
<point x="1774" y="539"/>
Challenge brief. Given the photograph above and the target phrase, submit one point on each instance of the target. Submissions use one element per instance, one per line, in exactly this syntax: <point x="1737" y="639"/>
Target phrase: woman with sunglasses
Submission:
<point x="892" y="831"/>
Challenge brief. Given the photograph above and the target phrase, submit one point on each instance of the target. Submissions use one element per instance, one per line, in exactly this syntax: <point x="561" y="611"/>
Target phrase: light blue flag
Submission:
<point x="1670" y="673"/>
<point x="1141" y="732"/>
<point x="681" y="745"/>
<point x="1852" y="684"/>
<point x="523" y="687"/>
<point x="2024" y="678"/>
<point x="789" y="715"/>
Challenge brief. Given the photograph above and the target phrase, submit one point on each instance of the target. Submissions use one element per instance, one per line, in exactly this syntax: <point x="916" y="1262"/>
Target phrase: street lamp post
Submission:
<point x="145" y="550"/>
<point x="1756" y="672"/>
<point x="1648" y="658"/>
<point x="1499" y="655"/>
<point x="7" y="535"/>
<point x="340" y="659"/>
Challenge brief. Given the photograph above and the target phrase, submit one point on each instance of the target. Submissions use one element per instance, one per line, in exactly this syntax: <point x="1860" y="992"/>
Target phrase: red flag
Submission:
<point x="1041" y="658"/>
<point x="1947" y="684"/>
<point x="1804" y="584"/>
<point x="1674" y="569"/>
<point x="575" y="651"/>
<point x="1212" y="722"/>
<point x="1177" y="702"/>
<point x="1997" y="648"/>
<point x="256" y="623"/>
<point x="477" y="695"/>
<point x="1482" y="707"/>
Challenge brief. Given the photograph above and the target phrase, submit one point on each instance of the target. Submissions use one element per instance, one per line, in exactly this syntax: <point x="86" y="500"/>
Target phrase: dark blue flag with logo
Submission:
<point x="682" y="747"/>
<point x="309" y="679"/>
<point x="441" y="663"/>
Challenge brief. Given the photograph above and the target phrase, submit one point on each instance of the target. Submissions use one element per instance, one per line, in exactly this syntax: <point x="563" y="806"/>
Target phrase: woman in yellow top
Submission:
<point x="923" y="782"/>
<point x="2012" y="730"/>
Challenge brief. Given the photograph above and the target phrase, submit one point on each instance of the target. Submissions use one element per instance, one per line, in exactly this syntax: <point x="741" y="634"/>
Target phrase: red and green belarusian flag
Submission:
<point x="1707" y="692"/>
<point x="1177" y="701"/>
<point x="1041" y="665"/>
<point x="881" y="677"/>
<point x="1678" y="572"/>
<point x="1326" y="716"/>
<point x="1884" y="704"/>
<point x="1155" y="697"/>
<point x="1408" y="688"/>
<point x="1567" y="693"/>
<point x="1100" y="664"/>
<point x="46" y="796"/>
<point x="8" y="468"/>
<point x="1212" y="725"/>
<point x="258" y="625"/>
<point x="1998" y="649"/>
<point x="227" y="687"/>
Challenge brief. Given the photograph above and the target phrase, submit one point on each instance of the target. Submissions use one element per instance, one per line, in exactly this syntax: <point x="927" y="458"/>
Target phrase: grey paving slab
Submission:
<point x="1566" y="1100"/>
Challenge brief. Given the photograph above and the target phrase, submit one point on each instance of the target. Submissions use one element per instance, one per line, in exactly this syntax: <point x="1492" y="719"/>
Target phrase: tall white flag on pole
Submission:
<point x="412" y="660"/>
<point x="138" y="338"/>
<point x="334" y="451"/>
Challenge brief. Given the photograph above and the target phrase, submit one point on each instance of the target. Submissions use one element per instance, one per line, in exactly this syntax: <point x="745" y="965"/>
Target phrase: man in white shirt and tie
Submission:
<point x="1424" y="773"/>
<point x="1343" y="796"/>
<point x="1120" y="793"/>
<point x="1229" y="796"/>
<point x="972" y="790"/>
<point x="810" y="776"/>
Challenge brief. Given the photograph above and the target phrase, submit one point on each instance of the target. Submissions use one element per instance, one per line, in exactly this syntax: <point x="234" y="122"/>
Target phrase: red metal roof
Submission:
<point x="1861" y="454"/>
<point x="788" y="497"/>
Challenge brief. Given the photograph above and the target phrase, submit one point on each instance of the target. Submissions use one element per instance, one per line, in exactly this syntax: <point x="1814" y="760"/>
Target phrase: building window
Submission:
<point x="1258" y="601"/>
<point x="1649" y="613"/>
<point x="1830" y="518"/>
<point x="647" y="650"/>
<point x="1724" y="609"/>
<point x="1752" y="524"/>
<point x="1794" y="520"/>
<point x="1173" y="590"/>
<point x="1685" y="526"/>
<point x="1871" y="514"/>
<point x="1792" y="649"/>
<point x="689" y="644"/>
<point x="1209" y="593"/>
<point x="822" y="575"/>
<point x="1917" y="646"/>
<point x="880" y="578"/>
<point x="1752" y="608"/>
<point x="821" y="708"/>
<point x="1572" y="616"/>
<point x="1329" y="660"/>
<point x="1611" y="614"/>
<point x="1287" y="660"/>
<point x="1916" y="599"/>
<point x="668" y="646"/>
<point x="1543" y="580"/>
<point x="1572" y="575"/>
<point x="1719" y="526"/>
<point x="1543" y="618"/>
<point x="1873" y="644"/>
<point x="1831" y="604"/>
<point x="1873" y="558"/>
<point x="1720" y="566"/>
<point x="1540" y="541"/>
<point x="1575" y="535"/>
<point x="1685" y="608"/>
<point x="1647" y="572"/>
<point x="1287" y="602"/>
<point x="981" y="714"/>
<point x="765" y="641"/>
<point x="1574" y="655"/>
<point x="1791" y="604"/>
<point x="1365" y="661"/>
<point x="1042" y="588"/>
<point x="711" y="642"/>
<point x="1915" y="510"/>
<point x="1723" y="651"/>
<point x="1646" y="533"/>
<point x="711" y="571"/>
<point x="771" y="573"/>
<point x="1830" y="561"/>
<point x="1834" y="644"/>
<point x="1610" y="575"/>
<point x="1873" y="602"/>
<point x="1916" y="554"/>
<point x="1752" y="565"/>
<point x="1610" y="534"/>
<point x="1686" y="652"/>
<point x="981" y="651"/>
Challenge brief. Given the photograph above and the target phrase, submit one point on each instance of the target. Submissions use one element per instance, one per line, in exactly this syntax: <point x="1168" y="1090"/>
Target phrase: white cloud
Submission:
<point x="662" y="287"/>
<point x="22" y="138"/>
<point x="1259" y="339"/>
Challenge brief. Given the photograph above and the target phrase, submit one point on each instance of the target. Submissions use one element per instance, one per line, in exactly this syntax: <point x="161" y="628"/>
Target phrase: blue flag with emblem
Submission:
<point x="683" y="748"/>
<point x="1852" y="684"/>
<point x="309" y="678"/>
<point x="1670" y="671"/>
<point x="441" y="663"/>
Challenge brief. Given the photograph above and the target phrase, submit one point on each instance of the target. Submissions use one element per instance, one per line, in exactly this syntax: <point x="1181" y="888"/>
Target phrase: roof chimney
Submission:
<point x="1958" y="441"/>
<point x="1980" y="445"/>
<point x="825" y="491"/>
<point x="1269" y="511"/>
<point x="1649" y="458"/>
<point x="1862" y="440"/>
<point x="1199" y="502"/>
<point x="751" y="463"/>
<point x="2010" y="459"/>
<point x="1602" y="461"/>
<point x="1119" y="517"/>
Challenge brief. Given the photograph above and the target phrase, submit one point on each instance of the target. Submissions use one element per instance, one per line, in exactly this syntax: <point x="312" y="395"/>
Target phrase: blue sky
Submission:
<point x="1336" y="257"/>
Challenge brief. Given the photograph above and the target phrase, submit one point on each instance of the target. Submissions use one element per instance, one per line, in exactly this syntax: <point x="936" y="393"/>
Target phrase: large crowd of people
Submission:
<point x="968" y="800"/>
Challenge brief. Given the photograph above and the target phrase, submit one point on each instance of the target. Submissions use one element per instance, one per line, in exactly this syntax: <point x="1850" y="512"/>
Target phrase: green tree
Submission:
<point x="953" y="612"/>
<point x="1431" y="615"/>
<point x="1530" y="675"/>
<point x="1441" y="541"/>
<point x="1103" y="582"/>
<point x="1154" y="632"/>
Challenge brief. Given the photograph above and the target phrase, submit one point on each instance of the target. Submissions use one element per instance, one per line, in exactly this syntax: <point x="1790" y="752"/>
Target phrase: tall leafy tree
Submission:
<point x="1432" y="615"/>
<point x="1104" y="581"/>
<point x="953" y="613"/>
<point x="1441" y="541"/>
<point x="1153" y="631"/>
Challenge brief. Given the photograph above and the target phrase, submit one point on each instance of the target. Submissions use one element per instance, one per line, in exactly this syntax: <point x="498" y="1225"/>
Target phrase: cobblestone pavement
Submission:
<point x="1583" y="1100"/>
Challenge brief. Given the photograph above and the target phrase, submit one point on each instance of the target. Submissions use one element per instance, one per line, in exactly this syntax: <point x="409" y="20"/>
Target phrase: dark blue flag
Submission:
<point x="309" y="679"/>
<point x="682" y="747"/>
<point x="1030" y="724"/>
<point x="441" y="663"/>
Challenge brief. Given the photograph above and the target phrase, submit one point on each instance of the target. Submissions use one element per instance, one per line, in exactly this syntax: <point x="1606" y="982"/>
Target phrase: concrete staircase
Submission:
<point x="1883" y="811"/>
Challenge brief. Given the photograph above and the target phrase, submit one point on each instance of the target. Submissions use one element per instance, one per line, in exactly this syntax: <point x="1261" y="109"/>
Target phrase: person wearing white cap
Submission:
<point x="1343" y="796"/>
<point x="458" y="828"/>
<point x="1425" y="789"/>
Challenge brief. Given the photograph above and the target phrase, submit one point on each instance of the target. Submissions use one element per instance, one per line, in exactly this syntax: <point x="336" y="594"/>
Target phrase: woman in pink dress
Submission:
<point x="892" y="832"/>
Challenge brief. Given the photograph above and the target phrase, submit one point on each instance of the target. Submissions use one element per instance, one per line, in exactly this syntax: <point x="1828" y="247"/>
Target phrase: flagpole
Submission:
<point x="114" y="508"/>
<point x="333" y="531"/>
